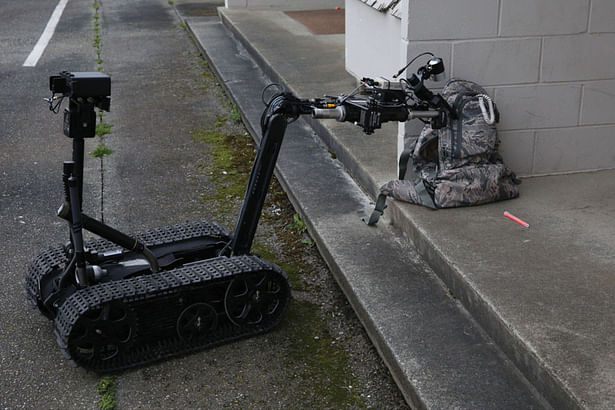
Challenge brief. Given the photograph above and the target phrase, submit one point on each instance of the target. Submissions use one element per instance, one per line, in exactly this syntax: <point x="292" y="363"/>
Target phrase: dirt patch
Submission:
<point x="321" y="21"/>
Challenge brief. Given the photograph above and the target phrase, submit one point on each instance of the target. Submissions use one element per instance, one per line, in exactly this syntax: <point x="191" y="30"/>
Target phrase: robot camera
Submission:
<point x="435" y="67"/>
<point x="84" y="85"/>
<point x="86" y="91"/>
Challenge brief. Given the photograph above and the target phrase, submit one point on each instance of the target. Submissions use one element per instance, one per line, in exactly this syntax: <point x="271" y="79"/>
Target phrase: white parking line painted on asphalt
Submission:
<point x="42" y="42"/>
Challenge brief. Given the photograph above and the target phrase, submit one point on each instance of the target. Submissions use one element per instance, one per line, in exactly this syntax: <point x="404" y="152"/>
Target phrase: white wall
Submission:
<point x="372" y="41"/>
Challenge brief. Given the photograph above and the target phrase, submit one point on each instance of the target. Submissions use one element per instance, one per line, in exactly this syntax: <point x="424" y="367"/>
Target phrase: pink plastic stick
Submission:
<point x="517" y="220"/>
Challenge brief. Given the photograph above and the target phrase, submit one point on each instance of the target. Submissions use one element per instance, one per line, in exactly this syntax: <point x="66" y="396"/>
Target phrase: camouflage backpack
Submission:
<point x="457" y="165"/>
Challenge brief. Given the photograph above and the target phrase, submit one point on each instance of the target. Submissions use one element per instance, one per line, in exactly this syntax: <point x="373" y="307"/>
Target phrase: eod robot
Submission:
<point x="120" y="301"/>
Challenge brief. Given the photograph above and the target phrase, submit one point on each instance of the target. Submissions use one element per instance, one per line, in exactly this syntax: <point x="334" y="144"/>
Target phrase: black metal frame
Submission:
<point x="72" y="211"/>
<point x="258" y="185"/>
<point x="240" y="243"/>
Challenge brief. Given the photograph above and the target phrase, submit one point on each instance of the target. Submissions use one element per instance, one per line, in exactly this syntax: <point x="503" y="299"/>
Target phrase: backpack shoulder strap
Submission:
<point x="419" y="147"/>
<point x="376" y="213"/>
<point x="404" y="160"/>
<point x="422" y="198"/>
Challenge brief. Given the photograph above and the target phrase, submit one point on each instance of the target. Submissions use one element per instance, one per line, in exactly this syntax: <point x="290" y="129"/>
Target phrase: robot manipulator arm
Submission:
<point x="373" y="102"/>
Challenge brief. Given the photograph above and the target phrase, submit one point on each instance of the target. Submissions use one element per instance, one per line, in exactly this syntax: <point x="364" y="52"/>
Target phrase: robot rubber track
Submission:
<point x="117" y="325"/>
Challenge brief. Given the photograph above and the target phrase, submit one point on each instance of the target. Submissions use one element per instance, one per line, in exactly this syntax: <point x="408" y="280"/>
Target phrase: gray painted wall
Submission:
<point x="550" y="64"/>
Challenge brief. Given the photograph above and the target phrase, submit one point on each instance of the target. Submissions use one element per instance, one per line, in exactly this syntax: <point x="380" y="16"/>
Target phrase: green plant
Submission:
<point x="300" y="228"/>
<point x="235" y="115"/>
<point x="97" y="41"/>
<point x="106" y="389"/>
<point x="103" y="128"/>
<point x="101" y="151"/>
<point x="298" y="225"/>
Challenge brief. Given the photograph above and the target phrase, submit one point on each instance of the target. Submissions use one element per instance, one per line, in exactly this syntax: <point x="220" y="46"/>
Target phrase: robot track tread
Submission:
<point x="117" y="325"/>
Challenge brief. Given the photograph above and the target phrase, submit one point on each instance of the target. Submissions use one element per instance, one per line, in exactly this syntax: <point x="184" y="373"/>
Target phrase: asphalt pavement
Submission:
<point x="32" y="150"/>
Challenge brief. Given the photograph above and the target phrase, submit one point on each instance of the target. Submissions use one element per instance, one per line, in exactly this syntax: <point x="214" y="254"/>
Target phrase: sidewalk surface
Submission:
<point x="467" y="308"/>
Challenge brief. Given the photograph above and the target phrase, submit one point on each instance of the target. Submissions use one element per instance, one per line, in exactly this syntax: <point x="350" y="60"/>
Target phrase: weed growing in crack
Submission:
<point x="235" y="115"/>
<point x="106" y="389"/>
<point x="106" y="385"/>
<point x="102" y="128"/>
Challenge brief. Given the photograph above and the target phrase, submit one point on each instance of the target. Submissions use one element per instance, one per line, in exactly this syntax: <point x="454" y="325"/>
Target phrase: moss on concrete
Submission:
<point x="229" y="168"/>
<point x="324" y="366"/>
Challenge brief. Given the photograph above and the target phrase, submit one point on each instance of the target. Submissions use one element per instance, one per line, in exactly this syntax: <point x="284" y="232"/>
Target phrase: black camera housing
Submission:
<point x="81" y="85"/>
<point x="87" y="91"/>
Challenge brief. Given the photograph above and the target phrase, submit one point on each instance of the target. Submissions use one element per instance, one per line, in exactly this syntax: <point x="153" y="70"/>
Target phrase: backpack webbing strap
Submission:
<point x="424" y="196"/>
<point x="377" y="212"/>
<point x="424" y="199"/>
<point x="404" y="158"/>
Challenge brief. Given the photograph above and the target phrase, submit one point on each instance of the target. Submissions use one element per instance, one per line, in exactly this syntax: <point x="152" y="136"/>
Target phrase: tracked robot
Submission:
<point x="120" y="301"/>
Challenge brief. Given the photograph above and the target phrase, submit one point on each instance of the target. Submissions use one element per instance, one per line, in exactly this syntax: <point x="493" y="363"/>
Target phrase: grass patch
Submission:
<point x="101" y="151"/>
<point x="106" y="389"/>
<point x="206" y="72"/>
<point x="235" y="115"/>
<point x="103" y="128"/>
<point x="293" y="270"/>
<point x="220" y="121"/>
<point x="323" y="368"/>
<point x="230" y="167"/>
